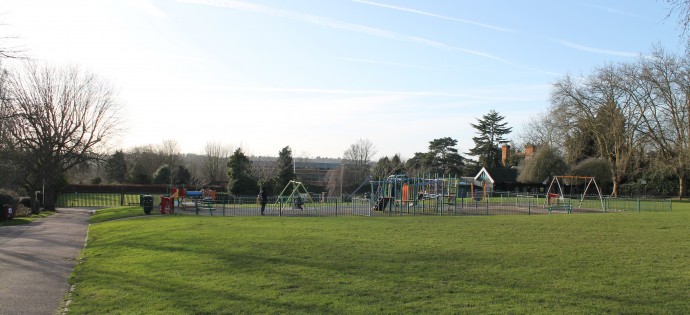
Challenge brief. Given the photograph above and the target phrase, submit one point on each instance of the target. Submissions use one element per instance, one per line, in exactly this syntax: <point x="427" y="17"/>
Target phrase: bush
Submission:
<point x="8" y="198"/>
<point x="22" y="211"/>
<point x="25" y="201"/>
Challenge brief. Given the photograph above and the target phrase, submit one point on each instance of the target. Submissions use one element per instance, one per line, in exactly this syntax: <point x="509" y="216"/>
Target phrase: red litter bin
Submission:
<point x="7" y="213"/>
<point x="166" y="205"/>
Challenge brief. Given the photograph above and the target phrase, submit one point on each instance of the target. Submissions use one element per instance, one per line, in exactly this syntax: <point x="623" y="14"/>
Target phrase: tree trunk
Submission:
<point x="681" y="187"/>
<point x="50" y="198"/>
<point x="614" y="192"/>
<point x="35" y="205"/>
<point x="614" y="176"/>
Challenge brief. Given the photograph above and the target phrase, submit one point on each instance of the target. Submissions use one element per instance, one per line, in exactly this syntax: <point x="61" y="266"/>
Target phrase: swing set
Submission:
<point x="556" y="200"/>
<point x="298" y="196"/>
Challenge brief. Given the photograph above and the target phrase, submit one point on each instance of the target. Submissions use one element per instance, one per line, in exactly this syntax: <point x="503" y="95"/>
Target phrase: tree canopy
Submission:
<point x="442" y="159"/>
<point x="490" y="130"/>
<point x="62" y="116"/>
<point x="241" y="181"/>
<point x="116" y="167"/>
<point x="286" y="168"/>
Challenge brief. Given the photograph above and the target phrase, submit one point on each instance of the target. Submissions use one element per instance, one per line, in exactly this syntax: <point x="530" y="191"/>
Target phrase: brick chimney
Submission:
<point x="505" y="154"/>
<point x="529" y="151"/>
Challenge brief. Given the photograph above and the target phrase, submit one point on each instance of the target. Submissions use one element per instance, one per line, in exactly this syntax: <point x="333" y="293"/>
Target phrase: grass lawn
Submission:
<point x="585" y="263"/>
<point x="25" y="220"/>
<point x="119" y="213"/>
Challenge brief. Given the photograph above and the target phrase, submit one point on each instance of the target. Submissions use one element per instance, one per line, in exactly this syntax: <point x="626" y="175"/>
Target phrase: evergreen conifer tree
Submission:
<point x="490" y="130"/>
<point x="286" y="168"/>
<point x="240" y="178"/>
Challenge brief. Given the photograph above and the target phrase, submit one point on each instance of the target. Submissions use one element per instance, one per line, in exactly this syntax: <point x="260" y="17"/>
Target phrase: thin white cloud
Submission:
<point x="327" y="22"/>
<point x="610" y="10"/>
<point x="596" y="50"/>
<point x="381" y="62"/>
<point x="488" y="94"/>
<point x="415" y="11"/>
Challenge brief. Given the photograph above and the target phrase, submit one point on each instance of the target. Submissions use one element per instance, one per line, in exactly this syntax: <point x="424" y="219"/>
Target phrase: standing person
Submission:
<point x="264" y="199"/>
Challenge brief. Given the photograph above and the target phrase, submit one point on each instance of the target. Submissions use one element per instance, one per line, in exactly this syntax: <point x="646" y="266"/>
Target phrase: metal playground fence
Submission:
<point x="426" y="205"/>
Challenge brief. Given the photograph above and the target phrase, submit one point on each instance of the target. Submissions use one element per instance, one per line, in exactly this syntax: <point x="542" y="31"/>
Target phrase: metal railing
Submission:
<point x="498" y="204"/>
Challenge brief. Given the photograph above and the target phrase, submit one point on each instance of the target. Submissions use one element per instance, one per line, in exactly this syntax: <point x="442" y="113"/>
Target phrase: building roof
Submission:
<point x="497" y="175"/>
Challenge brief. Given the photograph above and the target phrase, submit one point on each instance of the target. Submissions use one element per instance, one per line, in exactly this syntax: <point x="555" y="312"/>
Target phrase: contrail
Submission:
<point x="399" y="8"/>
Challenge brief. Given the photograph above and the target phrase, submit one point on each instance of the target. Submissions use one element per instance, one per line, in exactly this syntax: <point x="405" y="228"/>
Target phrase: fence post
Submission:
<point x="606" y="204"/>
<point x="529" y="206"/>
<point x="638" y="205"/>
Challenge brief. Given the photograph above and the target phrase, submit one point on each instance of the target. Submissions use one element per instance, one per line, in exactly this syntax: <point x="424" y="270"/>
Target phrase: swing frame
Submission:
<point x="295" y="195"/>
<point x="588" y="179"/>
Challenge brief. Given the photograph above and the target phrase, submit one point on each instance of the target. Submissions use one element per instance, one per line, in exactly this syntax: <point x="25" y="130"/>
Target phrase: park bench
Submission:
<point x="566" y="207"/>
<point x="205" y="204"/>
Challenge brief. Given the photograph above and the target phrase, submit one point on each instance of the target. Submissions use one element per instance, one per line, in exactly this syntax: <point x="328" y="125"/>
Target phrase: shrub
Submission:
<point x="8" y="198"/>
<point x="25" y="201"/>
<point x="22" y="211"/>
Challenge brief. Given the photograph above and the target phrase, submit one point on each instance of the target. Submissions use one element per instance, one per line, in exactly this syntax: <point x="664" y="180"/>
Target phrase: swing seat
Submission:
<point x="567" y="207"/>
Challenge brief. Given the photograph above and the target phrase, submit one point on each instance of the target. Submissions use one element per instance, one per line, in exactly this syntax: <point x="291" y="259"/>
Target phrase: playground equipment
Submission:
<point x="399" y="192"/>
<point x="485" y="180"/>
<point x="199" y="199"/>
<point x="298" y="197"/>
<point x="556" y="199"/>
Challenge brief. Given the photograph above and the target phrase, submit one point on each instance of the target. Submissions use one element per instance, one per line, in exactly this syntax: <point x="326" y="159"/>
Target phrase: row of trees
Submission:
<point x="634" y="116"/>
<point x="163" y="164"/>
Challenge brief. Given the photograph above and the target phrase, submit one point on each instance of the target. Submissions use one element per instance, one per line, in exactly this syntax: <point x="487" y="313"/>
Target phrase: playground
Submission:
<point x="399" y="195"/>
<point x="395" y="195"/>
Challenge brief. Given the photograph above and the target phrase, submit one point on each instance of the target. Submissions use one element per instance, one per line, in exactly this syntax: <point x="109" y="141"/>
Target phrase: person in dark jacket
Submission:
<point x="264" y="199"/>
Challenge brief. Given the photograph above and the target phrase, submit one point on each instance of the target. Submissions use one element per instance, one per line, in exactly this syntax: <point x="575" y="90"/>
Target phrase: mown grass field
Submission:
<point x="584" y="263"/>
<point x="26" y="220"/>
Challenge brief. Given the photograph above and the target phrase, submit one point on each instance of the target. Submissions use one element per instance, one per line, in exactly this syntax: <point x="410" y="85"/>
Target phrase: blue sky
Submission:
<point x="319" y="75"/>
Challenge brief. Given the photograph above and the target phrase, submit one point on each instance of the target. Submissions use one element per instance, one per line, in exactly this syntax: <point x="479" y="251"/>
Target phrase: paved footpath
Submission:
<point x="36" y="260"/>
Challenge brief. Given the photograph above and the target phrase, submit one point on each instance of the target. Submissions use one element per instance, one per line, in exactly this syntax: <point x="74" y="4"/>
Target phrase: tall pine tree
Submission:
<point x="490" y="131"/>
<point x="286" y="169"/>
<point x="240" y="178"/>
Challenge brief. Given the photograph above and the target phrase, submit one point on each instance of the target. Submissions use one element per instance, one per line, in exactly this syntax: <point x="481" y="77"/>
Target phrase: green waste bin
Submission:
<point x="147" y="203"/>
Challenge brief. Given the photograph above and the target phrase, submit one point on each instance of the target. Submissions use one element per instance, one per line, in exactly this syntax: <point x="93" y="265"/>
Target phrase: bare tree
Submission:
<point x="169" y="150"/>
<point x="265" y="169"/>
<point x="355" y="168"/>
<point x="215" y="161"/>
<point x="546" y="129"/>
<point x="681" y="8"/>
<point x="601" y="104"/>
<point x="664" y="90"/>
<point x="63" y="116"/>
<point x="360" y="153"/>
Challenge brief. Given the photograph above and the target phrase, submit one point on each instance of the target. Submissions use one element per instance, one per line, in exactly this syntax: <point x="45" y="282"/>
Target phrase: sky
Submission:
<point x="318" y="75"/>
